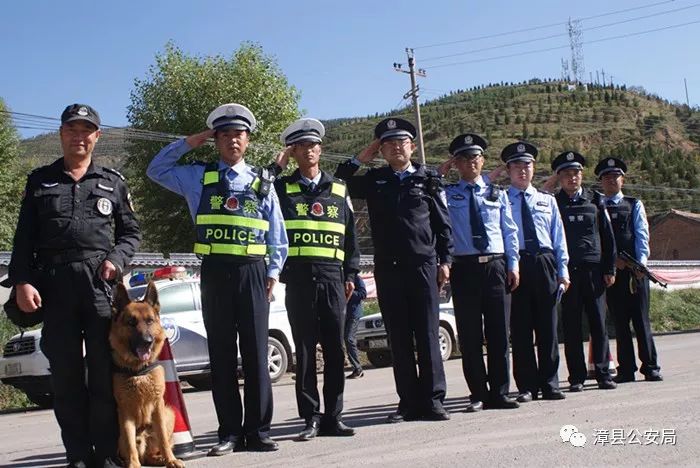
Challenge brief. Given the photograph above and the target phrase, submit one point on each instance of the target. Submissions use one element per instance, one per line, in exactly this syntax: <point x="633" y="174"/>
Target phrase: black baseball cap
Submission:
<point x="80" y="112"/>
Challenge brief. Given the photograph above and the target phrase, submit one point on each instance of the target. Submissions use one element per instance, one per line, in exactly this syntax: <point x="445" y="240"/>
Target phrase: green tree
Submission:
<point x="11" y="178"/>
<point x="176" y="97"/>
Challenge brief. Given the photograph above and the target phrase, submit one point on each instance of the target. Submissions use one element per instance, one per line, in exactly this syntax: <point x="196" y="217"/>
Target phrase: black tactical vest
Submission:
<point x="621" y="220"/>
<point x="580" y="219"/>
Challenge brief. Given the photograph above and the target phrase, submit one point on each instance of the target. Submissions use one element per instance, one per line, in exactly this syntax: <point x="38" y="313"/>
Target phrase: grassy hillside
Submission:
<point x="657" y="138"/>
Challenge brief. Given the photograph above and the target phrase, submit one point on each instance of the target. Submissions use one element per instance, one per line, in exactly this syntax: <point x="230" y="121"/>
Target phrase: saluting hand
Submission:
<point x="444" y="168"/>
<point x="443" y="275"/>
<point x="282" y="159"/>
<point x="513" y="280"/>
<point x="270" y="286"/>
<point x="198" y="139"/>
<point x="349" y="288"/>
<point x="28" y="298"/>
<point x="369" y="153"/>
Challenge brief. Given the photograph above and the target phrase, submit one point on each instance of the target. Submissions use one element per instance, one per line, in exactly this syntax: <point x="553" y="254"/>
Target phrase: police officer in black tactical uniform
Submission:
<point x="319" y="272"/>
<point x="592" y="253"/>
<point x="62" y="258"/>
<point x="412" y="253"/>
<point x="628" y="298"/>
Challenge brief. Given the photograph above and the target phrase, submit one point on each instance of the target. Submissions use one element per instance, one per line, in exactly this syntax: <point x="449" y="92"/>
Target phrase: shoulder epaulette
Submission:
<point x="545" y="192"/>
<point x="198" y="163"/>
<point x="115" y="172"/>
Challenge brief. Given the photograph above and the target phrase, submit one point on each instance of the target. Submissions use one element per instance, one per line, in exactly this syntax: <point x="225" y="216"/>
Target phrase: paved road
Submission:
<point x="528" y="436"/>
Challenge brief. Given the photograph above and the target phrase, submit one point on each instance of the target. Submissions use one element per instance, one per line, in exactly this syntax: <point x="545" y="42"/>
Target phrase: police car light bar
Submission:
<point x="170" y="272"/>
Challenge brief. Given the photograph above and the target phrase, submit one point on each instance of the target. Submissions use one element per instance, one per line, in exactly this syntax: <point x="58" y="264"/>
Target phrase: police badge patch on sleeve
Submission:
<point x="130" y="201"/>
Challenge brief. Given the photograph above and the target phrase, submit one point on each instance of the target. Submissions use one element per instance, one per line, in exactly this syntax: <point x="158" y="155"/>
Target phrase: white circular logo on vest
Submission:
<point x="570" y="157"/>
<point x="468" y="139"/>
<point x="611" y="162"/>
<point x="317" y="209"/>
<point x="391" y="124"/>
<point x="521" y="148"/>
<point x="83" y="111"/>
<point x="104" y="206"/>
<point x="231" y="203"/>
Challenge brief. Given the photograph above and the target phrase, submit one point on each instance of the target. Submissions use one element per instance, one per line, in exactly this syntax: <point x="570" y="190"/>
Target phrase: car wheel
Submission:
<point x="277" y="359"/>
<point x="42" y="400"/>
<point x="200" y="382"/>
<point x="379" y="358"/>
<point x="445" y="340"/>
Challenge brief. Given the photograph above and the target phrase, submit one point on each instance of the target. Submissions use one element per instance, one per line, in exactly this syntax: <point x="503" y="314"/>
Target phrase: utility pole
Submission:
<point x="687" y="101"/>
<point x="602" y="72"/>
<point x="413" y="93"/>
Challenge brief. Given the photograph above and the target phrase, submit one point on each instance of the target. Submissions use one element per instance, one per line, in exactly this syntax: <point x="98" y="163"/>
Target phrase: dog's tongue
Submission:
<point x="144" y="354"/>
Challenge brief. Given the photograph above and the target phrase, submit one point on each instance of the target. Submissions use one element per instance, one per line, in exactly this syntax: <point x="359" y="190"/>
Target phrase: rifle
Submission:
<point x="640" y="268"/>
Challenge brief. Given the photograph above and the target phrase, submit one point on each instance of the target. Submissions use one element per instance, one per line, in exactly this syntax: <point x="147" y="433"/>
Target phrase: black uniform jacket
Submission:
<point x="61" y="220"/>
<point x="409" y="220"/>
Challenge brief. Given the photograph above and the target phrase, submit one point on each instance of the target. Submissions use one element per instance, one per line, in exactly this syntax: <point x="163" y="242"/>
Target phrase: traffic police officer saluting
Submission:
<point x="70" y="211"/>
<point x="410" y="232"/>
<point x="238" y="221"/>
<point x="320" y="271"/>
<point x="628" y="298"/>
<point x="482" y="278"/>
<point x="543" y="271"/>
<point x="591" y="245"/>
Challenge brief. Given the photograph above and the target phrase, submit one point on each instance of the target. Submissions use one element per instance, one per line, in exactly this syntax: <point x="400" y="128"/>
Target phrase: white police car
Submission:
<point x="372" y="337"/>
<point x="25" y="367"/>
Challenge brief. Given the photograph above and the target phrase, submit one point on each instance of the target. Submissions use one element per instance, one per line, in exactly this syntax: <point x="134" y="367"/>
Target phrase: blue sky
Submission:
<point x="338" y="54"/>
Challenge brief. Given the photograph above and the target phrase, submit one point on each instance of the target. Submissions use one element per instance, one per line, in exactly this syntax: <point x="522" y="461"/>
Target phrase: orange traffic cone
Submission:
<point x="184" y="447"/>
<point x="591" y="365"/>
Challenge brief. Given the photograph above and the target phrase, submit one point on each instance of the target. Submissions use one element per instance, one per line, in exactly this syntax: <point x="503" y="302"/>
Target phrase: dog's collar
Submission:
<point x="132" y="373"/>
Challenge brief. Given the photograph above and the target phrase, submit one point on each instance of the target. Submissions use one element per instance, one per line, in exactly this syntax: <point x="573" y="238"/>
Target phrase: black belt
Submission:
<point x="485" y="258"/>
<point x="542" y="251"/>
<point x="67" y="256"/>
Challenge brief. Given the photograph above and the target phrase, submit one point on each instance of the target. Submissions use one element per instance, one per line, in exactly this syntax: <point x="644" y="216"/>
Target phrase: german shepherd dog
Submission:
<point x="145" y="422"/>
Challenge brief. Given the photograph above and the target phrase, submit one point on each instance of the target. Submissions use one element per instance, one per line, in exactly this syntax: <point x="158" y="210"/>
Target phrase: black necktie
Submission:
<point x="529" y="231"/>
<point x="479" y="238"/>
<point x="312" y="187"/>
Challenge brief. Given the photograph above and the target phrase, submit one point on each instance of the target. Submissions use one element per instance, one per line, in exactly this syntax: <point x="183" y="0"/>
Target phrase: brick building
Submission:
<point x="675" y="235"/>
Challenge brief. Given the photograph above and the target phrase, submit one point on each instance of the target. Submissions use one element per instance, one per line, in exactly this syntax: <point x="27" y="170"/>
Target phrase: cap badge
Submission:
<point x="307" y="125"/>
<point x="468" y="139"/>
<point x="83" y="111"/>
<point x="521" y="148"/>
<point x="317" y="209"/>
<point x="611" y="162"/>
<point x="231" y="203"/>
<point x="230" y="111"/>
<point x="104" y="206"/>
<point x="391" y="124"/>
<point x="570" y="157"/>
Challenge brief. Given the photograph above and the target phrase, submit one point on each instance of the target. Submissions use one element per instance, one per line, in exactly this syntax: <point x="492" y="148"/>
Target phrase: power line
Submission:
<point x="621" y="36"/>
<point x="534" y="28"/>
<point x="552" y="36"/>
